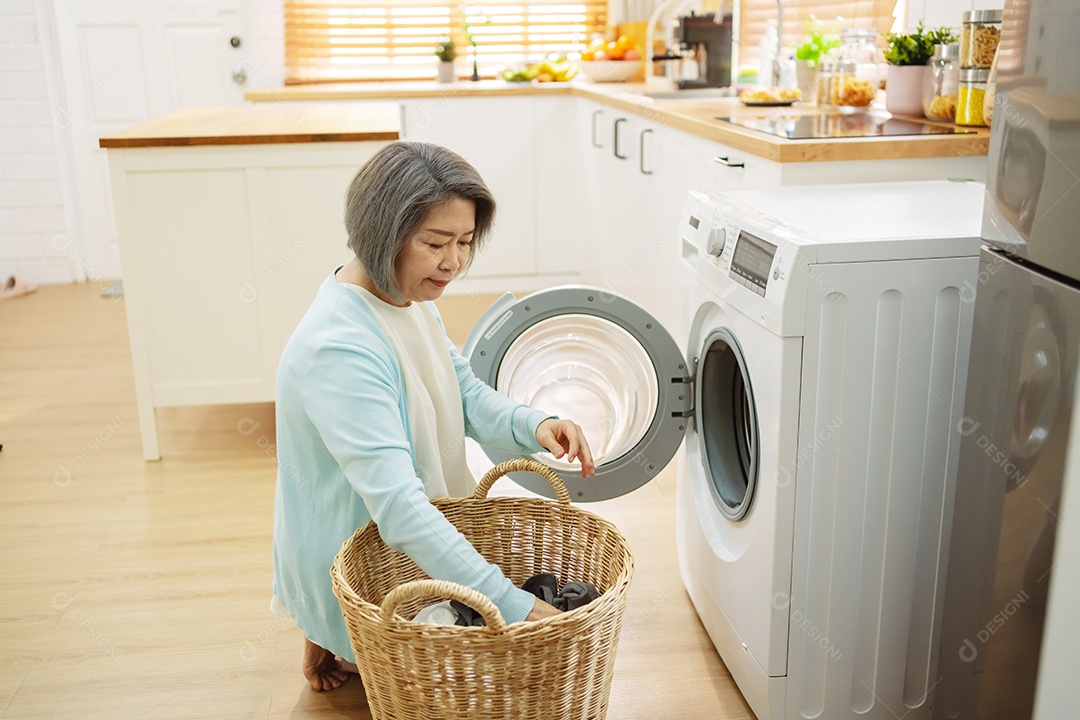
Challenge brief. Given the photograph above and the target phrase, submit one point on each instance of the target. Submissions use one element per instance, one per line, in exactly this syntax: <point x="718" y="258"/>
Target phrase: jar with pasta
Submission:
<point x="851" y="78"/>
<point x="979" y="37"/>
<point x="991" y="92"/>
<point x="941" y="83"/>
<point x="969" y="105"/>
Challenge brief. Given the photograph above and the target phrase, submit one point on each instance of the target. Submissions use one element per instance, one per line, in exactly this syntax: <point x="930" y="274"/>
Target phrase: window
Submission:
<point x="330" y="40"/>
<point x="755" y="16"/>
<point x="339" y="40"/>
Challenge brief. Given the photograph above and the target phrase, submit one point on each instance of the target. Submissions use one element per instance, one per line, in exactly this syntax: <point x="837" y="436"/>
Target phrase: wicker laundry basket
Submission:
<point x="557" y="668"/>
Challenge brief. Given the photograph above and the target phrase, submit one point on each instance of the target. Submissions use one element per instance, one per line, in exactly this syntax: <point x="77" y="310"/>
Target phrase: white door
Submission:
<point x="123" y="62"/>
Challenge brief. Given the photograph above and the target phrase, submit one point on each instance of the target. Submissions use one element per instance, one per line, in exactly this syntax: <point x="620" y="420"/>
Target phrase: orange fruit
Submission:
<point x="613" y="50"/>
<point x="625" y="42"/>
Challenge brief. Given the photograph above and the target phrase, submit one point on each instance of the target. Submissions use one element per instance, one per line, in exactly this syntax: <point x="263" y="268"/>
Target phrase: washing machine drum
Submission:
<point x="727" y="423"/>
<point x="595" y="358"/>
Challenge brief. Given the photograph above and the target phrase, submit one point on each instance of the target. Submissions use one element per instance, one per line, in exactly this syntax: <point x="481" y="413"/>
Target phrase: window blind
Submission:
<point x="340" y="40"/>
<point x="755" y="16"/>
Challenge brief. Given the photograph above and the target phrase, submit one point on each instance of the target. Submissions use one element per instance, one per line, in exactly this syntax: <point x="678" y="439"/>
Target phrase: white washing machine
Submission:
<point x="819" y="395"/>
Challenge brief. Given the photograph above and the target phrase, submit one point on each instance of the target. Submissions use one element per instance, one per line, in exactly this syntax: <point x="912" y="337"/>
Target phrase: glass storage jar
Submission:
<point x="991" y="92"/>
<point x="969" y="105"/>
<point x="828" y="69"/>
<point x="980" y="33"/>
<point x="942" y="84"/>
<point x="852" y="78"/>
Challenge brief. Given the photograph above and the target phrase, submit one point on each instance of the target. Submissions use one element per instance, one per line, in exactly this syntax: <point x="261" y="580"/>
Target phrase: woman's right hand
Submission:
<point x="565" y="438"/>
<point x="542" y="610"/>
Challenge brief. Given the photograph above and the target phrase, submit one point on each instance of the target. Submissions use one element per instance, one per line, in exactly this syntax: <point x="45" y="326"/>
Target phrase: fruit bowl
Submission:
<point x="610" y="70"/>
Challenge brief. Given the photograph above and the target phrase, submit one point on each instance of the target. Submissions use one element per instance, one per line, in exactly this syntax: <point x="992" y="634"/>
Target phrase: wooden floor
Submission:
<point x="141" y="590"/>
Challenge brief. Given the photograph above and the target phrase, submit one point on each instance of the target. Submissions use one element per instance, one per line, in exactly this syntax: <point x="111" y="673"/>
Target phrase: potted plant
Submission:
<point x="820" y="39"/>
<point x="446" y="52"/>
<point x="907" y="55"/>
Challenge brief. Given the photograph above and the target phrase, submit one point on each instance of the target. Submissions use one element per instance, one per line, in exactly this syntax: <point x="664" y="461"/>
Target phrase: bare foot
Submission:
<point x="324" y="671"/>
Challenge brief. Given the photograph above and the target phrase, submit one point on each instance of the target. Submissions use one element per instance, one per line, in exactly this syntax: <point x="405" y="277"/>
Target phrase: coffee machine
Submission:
<point x="708" y="42"/>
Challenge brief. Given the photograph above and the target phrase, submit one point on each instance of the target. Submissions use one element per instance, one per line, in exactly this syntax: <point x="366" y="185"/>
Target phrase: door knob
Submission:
<point x="235" y="41"/>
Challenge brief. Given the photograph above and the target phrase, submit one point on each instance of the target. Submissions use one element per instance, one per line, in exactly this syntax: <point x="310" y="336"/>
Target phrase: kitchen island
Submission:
<point x="228" y="219"/>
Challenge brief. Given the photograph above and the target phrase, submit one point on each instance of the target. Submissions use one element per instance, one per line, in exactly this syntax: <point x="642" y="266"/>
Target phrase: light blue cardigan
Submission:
<point x="345" y="457"/>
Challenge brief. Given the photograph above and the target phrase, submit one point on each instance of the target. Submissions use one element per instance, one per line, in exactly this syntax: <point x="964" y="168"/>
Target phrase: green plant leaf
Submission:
<point x="446" y="50"/>
<point x="917" y="47"/>
<point x="820" y="38"/>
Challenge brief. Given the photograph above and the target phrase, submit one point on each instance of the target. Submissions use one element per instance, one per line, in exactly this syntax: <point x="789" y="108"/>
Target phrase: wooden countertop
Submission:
<point x="696" y="116"/>
<point x="265" y="123"/>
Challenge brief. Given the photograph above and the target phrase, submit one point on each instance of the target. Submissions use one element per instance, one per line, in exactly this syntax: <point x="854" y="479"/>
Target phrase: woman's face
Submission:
<point x="436" y="252"/>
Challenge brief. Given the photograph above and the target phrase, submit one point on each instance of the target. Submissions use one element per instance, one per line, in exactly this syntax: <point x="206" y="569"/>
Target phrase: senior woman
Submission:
<point x="374" y="402"/>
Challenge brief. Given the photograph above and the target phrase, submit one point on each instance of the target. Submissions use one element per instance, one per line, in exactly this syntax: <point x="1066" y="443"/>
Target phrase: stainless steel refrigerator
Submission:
<point x="1018" y="406"/>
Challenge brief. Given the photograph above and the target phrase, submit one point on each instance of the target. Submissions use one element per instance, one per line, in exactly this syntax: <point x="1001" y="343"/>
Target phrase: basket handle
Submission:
<point x="446" y="589"/>
<point x="516" y="465"/>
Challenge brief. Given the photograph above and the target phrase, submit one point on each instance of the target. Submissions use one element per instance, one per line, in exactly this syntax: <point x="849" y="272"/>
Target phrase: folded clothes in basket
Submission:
<point x="544" y="586"/>
<point x="573" y="594"/>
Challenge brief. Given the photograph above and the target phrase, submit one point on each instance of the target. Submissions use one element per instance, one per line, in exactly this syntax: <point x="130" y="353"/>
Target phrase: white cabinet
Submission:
<point x="690" y="162"/>
<point x="563" y="207"/>
<point x="496" y="135"/>
<point x="619" y="179"/>
<point x="223" y="249"/>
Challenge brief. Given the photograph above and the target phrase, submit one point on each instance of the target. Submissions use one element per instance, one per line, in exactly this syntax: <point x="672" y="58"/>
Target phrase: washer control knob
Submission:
<point x="776" y="273"/>
<point x="715" y="244"/>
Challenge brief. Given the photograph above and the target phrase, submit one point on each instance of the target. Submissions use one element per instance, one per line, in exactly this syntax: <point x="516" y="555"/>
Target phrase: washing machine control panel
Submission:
<point x="752" y="261"/>
<point x="724" y="245"/>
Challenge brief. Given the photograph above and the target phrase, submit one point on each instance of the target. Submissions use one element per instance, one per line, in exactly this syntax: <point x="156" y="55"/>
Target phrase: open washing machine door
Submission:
<point x="596" y="358"/>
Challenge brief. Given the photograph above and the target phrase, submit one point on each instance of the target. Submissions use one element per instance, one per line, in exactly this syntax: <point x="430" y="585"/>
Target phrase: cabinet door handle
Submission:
<point x="641" y="152"/>
<point x="615" y="144"/>
<point x="723" y="160"/>
<point x="596" y="114"/>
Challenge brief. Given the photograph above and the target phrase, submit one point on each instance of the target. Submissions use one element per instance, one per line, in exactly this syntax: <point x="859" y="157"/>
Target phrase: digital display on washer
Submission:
<point x="752" y="262"/>
<point x="694" y="222"/>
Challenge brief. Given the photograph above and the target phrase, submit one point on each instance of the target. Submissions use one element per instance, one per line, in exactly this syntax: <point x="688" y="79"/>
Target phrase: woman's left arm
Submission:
<point x="491" y="418"/>
<point x="495" y="420"/>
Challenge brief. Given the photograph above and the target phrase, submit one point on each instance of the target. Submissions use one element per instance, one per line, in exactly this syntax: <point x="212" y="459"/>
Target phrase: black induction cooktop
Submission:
<point x="862" y="124"/>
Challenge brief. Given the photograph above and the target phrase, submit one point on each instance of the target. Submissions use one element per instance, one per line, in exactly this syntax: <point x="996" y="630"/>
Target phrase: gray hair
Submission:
<point x="393" y="193"/>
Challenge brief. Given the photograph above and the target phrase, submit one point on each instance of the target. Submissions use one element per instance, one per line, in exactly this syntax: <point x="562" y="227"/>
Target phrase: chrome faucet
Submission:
<point x="779" y="43"/>
<point x="719" y="17"/>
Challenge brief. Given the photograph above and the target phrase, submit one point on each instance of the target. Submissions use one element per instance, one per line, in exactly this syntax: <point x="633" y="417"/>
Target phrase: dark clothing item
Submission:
<point x="574" y="595"/>
<point x="466" y="616"/>
<point x="544" y="586"/>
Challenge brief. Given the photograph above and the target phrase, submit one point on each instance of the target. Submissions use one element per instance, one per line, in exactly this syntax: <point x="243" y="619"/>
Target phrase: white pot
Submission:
<point x="903" y="89"/>
<point x="446" y="71"/>
<point x="806" y="78"/>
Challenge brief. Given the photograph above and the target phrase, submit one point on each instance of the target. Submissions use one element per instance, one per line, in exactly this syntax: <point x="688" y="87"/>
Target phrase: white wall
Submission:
<point x="39" y="222"/>
<point x="34" y="202"/>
